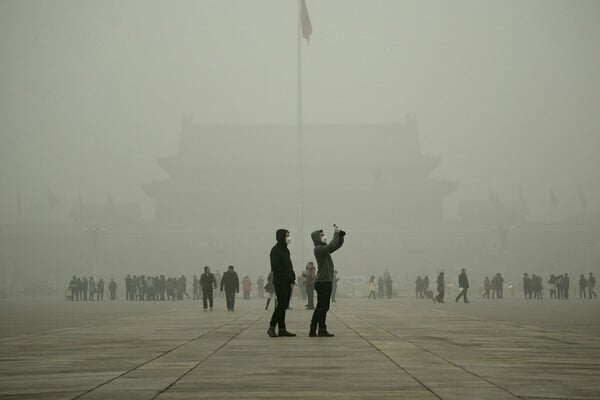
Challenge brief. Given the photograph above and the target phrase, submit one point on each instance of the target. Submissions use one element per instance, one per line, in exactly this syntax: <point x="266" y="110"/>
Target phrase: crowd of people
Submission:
<point x="84" y="289"/>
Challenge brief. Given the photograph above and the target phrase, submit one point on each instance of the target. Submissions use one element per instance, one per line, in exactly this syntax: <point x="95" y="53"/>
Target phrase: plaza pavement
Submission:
<point x="385" y="349"/>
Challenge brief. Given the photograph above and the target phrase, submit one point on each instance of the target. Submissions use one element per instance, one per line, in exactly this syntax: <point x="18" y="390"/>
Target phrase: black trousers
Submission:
<point x="283" y="293"/>
<point x="230" y="299"/>
<point x="319" y="317"/>
<point x="463" y="294"/>
<point x="207" y="296"/>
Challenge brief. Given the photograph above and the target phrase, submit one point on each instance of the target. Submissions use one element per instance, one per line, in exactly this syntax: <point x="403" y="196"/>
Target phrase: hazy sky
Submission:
<point x="93" y="92"/>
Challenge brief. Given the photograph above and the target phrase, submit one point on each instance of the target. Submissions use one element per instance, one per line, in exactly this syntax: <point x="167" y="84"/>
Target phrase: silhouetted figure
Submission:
<point x="73" y="288"/>
<point x="247" y="285"/>
<point x="309" y="281"/>
<point x="582" y="286"/>
<point x="324" y="280"/>
<point x="441" y="285"/>
<point x="527" y="286"/>
<point x="560" y="288"/>
<point x="418" y="287"/>
<point x="208" y="282"/>
<point x="497" y="286"/>
<point x="487" y="287"/>
<point x="112" y="289"/>
<point x="301" y="282"/>
<point x="388" y="284"/>
<point x="231" y="283"/>
<point x="552" y="286"/>
<point x="91" y="288"/>
<point x="283" y="278"/>
<point x="591" y="285"/>
<point x="380" y="288"/>
<point x="260" y="283"/>
<point x="100" y="290"/>
<point x="566" y="284"/>
<point x="84" y="288"/>
<point x="463" y="284"/>
<point x="372" y="288"/>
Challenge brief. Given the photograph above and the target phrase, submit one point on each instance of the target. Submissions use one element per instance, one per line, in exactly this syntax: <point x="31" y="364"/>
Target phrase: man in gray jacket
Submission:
<point x="325" y="277"/>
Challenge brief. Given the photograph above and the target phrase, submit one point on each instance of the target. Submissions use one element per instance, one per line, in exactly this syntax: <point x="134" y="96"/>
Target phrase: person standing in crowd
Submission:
<point x="552" y="286"/>
<point x="388" y="283"/>
<point x="497" y="286"/>
<point x="270" y="289"/>
<point x="372" y="288"/>
<point x="128" y="288"/>
<point x="487" y="286"/>
<point x="84" y="288"/>
<point x="335" y="283"/>
<point x="324" y="280"/>
<point x="441" y="285"/>
<point x="380" y="288"/>
<point x="301" y="282"/>
<point x="112" y="289"/>
<point x="73" y="289"/>
<point x="208" y="283"/>
<point x="100" y="290"/>
<point x="527" y="288"/>
<point x="247" y="285"/>
<point x="582" y="286"/>
<point x="91" y="288"/>
<point x="463" y="284"/>
<point x="231" y="283"/>
<point x="309" y="282"/>
<point x="591" y="284"/>
<point x="566" y="285"/>
<point x="283" y="279"/>
<point x="260" y="283"/>
<point x="418" y="287"/>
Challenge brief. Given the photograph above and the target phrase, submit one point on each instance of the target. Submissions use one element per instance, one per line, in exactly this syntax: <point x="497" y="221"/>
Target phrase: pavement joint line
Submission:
<point x="262" y="314"/>
<point x="388" y="357"/>
<point x="530" y="327"/>
<point x="157" y="357"/>
<point x="444" y="359"/>
<point x="70" y="328"/>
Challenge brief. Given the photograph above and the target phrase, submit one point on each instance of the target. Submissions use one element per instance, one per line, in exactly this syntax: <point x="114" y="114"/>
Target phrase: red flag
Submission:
<point x="305" y="22"/>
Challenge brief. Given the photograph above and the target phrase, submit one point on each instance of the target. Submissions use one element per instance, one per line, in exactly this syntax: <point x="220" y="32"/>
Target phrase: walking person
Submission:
<point x="372" y="288"/>
<point x="208" y="282"/>
<point x="441" y="285"/>
<point x="487" y="286"/>
<point x="380" y="288"/>
<point x="463" y="284"/>
<point x="324" y="280"/>
<point x="283" y="279"/>
<point x="231" y="283"/>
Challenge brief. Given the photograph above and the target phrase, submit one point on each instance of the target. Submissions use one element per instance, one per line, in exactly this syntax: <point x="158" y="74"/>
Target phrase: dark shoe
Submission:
<point x="313" y="331"/>
<point x="271" y="331"/>
<point x="286" y="333"/>
<point x="324" y="333"/>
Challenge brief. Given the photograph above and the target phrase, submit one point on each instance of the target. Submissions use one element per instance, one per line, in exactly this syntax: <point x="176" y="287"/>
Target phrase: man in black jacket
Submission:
<point x="208" y="283"/>
<point x="463" y="283"/>
<point x="231" y="282"/>
<point x="283" y="278"/>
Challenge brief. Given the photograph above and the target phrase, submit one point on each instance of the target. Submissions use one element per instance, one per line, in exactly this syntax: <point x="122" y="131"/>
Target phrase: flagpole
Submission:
<point x="300" y="238"/>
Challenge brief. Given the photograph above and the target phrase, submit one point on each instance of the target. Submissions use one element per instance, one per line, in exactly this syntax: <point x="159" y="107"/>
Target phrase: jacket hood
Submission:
<point x="280" y="236"/>
<point x="316" y="237"/>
